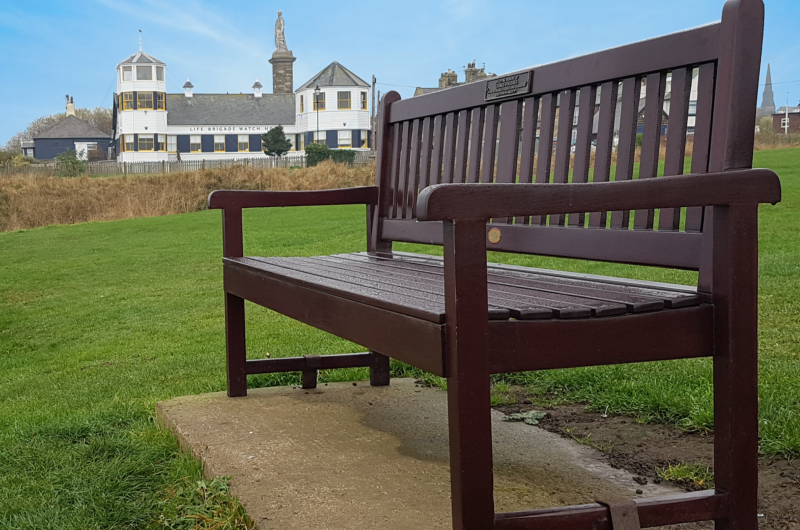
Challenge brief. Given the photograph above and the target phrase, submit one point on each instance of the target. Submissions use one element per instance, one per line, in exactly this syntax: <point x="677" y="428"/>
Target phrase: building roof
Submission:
<point x="141" y="57"/>
<point x="334" y="75"/>
<point x="188" y="84"/>
<point x="231" y="109"/>
<point x="72" y="127"/>
<point x="257" y="84"/>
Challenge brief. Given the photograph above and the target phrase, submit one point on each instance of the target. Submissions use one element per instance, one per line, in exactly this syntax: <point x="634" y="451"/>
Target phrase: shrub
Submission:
<point x="343" y="156"/>
<point x="274" y="142"/>
<point x="70" y="164"/>
<point x="316" y="153"/>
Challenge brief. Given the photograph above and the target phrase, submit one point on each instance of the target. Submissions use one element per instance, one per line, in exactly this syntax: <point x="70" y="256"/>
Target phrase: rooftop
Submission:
<point x="141" y="57"/>
<point x="334" y="75"/>
<point x="236" y="109"/>
<point x="72" y="127"/>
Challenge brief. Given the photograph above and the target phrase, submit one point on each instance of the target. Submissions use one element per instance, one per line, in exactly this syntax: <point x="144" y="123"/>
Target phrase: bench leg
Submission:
<point x="309" y="379"/>
<point x="378" y="369"/>
<point x="235" y="345"/>
<point x="735" y="290"/>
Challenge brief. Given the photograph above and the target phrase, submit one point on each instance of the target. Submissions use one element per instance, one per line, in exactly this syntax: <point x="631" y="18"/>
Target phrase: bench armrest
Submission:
<point x="486" y="201"/>
<point x="222" y="199"/>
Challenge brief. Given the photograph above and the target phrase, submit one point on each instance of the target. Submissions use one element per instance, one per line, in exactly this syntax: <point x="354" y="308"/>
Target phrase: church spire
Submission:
<point x="768" y="100"/>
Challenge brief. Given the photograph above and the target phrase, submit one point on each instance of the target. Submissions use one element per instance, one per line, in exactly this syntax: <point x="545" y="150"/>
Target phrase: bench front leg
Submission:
<point x="236" y="351"/>
<point x="468" y="393"/>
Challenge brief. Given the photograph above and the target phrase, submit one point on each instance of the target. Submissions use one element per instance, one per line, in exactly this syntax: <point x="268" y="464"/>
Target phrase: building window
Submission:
<point x="145" y="142"/>
<point x="302" y="141"/>
<point x="129" y="142"/>
<point x="320" y="137"/>
<point x="319" y="101"/>
<point x="161" y="100"/>
<point x="345" y="139"/>
<point x="290" y="137"/>
<point x="91" y="146"/>
<point x="219" y="143"/>
<point x="244" y="143"/>
<point x="144" y="73"/>
<point x="172" y="144"/>
<point x="127" y="101"/>
<point x="364" y="139"/>
<point x="344" y="100"/>
<point x="301" y="104"/>
<point x="159" y="73"/>
<point x="195" y="144"/>
<point x="363" y="101"/>
<point x="144" y="101"/>
<point x="162" y="140"/>
<point x="692" y="108"/>
<point x="127" y="73"/>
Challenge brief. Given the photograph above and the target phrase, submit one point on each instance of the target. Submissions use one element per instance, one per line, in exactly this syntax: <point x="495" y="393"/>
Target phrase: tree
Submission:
<point x="275" y="143"/>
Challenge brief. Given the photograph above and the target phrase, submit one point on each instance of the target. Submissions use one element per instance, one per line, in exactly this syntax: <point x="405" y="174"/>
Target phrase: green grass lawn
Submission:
<point x="99" y="321"/>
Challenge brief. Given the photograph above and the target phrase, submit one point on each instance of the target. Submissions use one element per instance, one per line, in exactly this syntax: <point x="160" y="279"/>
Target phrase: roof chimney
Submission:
<point x="187" y="88"/>
<point x="257" y="89"/>
<point x="70" y="106"/>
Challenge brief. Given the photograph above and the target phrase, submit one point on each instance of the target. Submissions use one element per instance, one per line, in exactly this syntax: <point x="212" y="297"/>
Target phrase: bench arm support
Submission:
<point x="486" y="201"/>
<point x="231" y="202"/>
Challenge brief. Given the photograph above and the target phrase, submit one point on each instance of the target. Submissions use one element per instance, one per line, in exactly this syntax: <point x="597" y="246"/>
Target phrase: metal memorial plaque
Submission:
<point x="510" y="85"/>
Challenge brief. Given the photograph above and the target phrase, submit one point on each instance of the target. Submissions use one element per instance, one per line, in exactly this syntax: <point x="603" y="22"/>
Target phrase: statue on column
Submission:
<point x="280" y="37"/>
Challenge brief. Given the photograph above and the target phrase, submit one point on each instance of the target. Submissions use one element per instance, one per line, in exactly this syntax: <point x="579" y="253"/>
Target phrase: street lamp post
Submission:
<point x="316" y="106"/>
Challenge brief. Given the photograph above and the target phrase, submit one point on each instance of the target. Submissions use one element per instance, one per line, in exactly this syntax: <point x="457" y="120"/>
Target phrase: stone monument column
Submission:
<point x="282" y="59"/>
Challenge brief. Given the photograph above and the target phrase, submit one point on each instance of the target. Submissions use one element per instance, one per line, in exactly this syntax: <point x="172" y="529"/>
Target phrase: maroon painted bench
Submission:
<point x="459" y="168"/>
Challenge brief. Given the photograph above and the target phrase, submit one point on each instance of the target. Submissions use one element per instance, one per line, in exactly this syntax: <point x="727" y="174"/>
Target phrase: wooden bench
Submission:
<point x="459" y="168"/>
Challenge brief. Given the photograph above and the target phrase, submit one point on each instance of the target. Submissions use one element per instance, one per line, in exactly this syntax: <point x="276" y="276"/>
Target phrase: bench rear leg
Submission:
<point x="378" y="369"/>
<point x="235" y="346"/>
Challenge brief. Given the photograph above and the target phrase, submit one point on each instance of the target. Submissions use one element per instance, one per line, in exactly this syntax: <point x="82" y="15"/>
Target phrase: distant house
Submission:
<point x="69" y="133"/>
<point x="779" y="120"/>
<point x="450" y="79"/>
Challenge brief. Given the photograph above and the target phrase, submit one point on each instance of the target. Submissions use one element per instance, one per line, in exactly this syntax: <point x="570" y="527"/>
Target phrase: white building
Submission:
<point x="152" y="125"/>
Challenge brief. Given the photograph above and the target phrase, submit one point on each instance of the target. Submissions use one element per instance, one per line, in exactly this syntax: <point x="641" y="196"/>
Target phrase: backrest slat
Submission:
<point x="449" y="147"/>
<point x="549" y="104"/>
<point x="425" y="156"/>
<point x="651" y="140"/>
<point x="566" y="115"/>
<point x="508" y="151"/>
<point x="395" y="168"/>
<point x="462" y="146"/>
<point x="489" y="144"/>
<point x="475" y="140"/>
<point x="436" y="152"/>
<point x="530" y="116"/>
<point x="583" y="143"/>
<point x="401" y="199"/>
<point x="413" y="172"/>
<point x="626" y="150"/>
<point x="681" y="91"/>
<point x="702" y="136"/>
<point x="605" y="143"/>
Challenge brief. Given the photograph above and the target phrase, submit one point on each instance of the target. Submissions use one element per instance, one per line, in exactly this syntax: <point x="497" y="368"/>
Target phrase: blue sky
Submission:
<point x="52" y="48"/>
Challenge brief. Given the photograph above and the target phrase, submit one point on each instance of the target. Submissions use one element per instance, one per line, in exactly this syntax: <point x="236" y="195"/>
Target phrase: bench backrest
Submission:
<point x="501" y="129"/>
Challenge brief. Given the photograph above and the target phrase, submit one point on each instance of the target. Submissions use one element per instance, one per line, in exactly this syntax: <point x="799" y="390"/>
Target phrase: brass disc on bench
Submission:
<point x="495" y="235"/>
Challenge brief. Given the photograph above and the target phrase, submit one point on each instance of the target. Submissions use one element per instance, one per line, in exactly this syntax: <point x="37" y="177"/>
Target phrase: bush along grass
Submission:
<point x="697" y="476"/>
<point x="99" y="321"/>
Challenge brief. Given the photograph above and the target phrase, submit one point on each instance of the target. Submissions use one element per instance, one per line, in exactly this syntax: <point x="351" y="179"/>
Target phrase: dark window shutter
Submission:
<point x="255" y="143"/>
<point x="231" y="143"/>
<point x="207" y="141"/>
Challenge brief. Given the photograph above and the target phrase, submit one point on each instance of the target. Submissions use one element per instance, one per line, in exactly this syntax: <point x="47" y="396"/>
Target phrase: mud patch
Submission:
<point x="643" y="449"/>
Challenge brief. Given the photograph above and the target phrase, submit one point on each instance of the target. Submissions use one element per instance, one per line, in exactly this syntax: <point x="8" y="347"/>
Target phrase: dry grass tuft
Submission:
<point x="33" y="201"/>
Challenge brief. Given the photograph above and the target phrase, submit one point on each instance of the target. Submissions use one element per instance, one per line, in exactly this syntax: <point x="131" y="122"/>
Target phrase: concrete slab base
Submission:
<point x="358" y="457"/>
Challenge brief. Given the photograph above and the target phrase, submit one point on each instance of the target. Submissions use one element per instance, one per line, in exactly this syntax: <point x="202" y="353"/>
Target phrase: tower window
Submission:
<point x="172" y="144"/>
<point x="145" y="142"/>
<point x="345" y="139"/>
<point x="159" y="73"/>
<point x="344" y="100"/>
<point x="320" y="137"/>
<point x="162" y="142"/>
<point x="244" y="143"/>
<point x="127" y="101"/>
<point x="127" y="73"/>
<point x="219" y="143"/>
<point x="160" y="101"/>
<point x="195" y="144"/>
<point x="129" y="142"/>
<point x="364" y="139"/>
<point x="363" y="101"/>
<point x="301" y="104"/>
<point x="144" y="101"/>
<point x="319" y="101"/>
<point x="144" y="73"/>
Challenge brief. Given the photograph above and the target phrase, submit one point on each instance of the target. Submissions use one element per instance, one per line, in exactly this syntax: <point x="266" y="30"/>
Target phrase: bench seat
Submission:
<point x="413" y="284"/>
